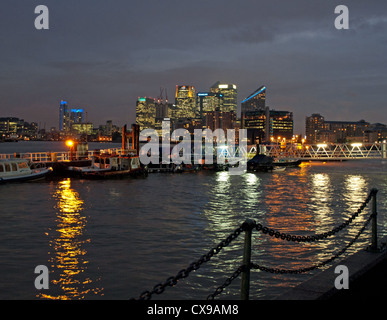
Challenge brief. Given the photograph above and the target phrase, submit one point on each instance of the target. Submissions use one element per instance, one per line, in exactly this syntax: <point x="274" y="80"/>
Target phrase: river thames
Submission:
<point x="114" y="239"/>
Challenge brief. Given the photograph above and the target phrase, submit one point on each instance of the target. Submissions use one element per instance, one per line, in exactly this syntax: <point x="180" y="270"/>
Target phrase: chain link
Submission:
<point x="297" y="238"/>
<point x="228" y="281"/>
<point x="172" y="281"/>
<point x="319" y="265"/>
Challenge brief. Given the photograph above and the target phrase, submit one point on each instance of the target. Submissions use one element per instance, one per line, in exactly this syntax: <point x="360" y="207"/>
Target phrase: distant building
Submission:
<point x="230" y="95"/>
<point x="30" y="130"/>
<point x="64" y="116"/>
<point x="82" y="128"/>
<point x="280" y="125"/>
<point x="146" y="113"/>
<point x="265" y="125"/>
<point x="255" y="101"/>
<point x="209" y="102"/>
<point x="11" y="126"/>
<point x="76" y="116"/>
<point x="163" y="110"/>
<point x="314" y="126"/>
<point x="317" y="129"/>
<point x="376" y="132"/>
<point x="185" y="102"/>
<point x="255" y="124"/>
<point x="346" y="131"/>
<point x="218" y="120"/>
<point x="189" y="124"/>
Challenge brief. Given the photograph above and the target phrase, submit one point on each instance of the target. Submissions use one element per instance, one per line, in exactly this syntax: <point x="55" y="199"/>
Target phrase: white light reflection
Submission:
<point x="222" y="177"/>
<point x="356" y="190"/>
<point x="251" y="195"/>
<point x="321" y="198"/>
<point x="354" y="195"/>
<point x="251" y="179"/>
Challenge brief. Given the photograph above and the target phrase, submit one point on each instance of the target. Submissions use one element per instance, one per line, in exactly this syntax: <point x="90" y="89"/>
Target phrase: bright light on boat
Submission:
<point x="356" y="144"/>
<point x="323" y="145"/>
<point x="69" y="143"/>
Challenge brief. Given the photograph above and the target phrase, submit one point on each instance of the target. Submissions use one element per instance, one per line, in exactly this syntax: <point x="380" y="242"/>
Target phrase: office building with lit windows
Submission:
<point x="64" y="116"/>
<point x="314" y="126"/>
<point x="11" y="126"/>
<point x="317" y="129"/>
<point x="217" y="119"/>
<point x="280" y="125"/>
<point x="185" y="102"/>
<point x="76" y="116"/>
<point x="265" y="125"/>
<point x="146" y="113"/>
<point x="255" y="101"/>
<point x="230" y="95"/>
<point x="209" y="102"/>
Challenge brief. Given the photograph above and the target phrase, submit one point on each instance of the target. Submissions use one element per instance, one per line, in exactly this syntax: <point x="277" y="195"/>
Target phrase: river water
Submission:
<point x="115" y="239"/>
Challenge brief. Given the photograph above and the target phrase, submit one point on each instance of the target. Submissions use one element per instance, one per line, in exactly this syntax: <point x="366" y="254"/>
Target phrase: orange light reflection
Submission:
<point x="68" y="256"/>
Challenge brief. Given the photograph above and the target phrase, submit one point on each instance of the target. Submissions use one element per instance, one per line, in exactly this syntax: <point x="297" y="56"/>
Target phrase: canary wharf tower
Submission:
<point x="185" y="101"/>
<point x="255" y="101"/>
<point x="229" y="92"/>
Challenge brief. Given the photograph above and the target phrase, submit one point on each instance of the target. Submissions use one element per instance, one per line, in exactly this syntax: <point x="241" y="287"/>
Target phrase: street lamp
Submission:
<point x="70" y="143"/>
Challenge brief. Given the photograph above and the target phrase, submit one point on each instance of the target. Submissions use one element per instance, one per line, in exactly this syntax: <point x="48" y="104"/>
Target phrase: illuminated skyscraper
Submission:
<point x="146" y="113"/>
<point x="64" y="116"/>
<point x="255" y="101"/>
<point x="76" y="116"/>
<point x="209" y="102"/>
<point x="185" y="102"/>
<point x="230" y="94"/>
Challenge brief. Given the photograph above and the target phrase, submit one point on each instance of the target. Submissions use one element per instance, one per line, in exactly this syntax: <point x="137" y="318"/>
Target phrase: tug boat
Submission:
<point x="19" y="170"/>
<point x="105" y="166"/>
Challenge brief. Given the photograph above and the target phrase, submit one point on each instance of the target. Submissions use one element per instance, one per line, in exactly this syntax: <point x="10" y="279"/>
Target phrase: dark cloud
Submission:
<point x="102" y="55"/>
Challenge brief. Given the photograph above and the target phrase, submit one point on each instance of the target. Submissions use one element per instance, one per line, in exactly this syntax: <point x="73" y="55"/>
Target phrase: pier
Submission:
<point x="320" y="152"/>
<point x="61" y="160"/>
<point x="324" y="151"/>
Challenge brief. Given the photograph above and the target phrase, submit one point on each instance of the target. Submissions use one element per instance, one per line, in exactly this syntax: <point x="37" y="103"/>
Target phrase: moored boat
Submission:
<point x="286" y="162"/>
<point x="263" y="163"/>
<point x="260" y="163"/>
<point x="18" y="170"/>
<point x="110" y="166"/>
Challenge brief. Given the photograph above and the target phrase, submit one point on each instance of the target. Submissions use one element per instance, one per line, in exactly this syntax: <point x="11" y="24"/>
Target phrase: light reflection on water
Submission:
<point x="68" y="257"/>
<point x="115" y="239"/>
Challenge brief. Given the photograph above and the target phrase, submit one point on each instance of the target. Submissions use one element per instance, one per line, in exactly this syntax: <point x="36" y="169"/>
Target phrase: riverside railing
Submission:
<point x="42" y="157"/>
<point x="248" y="227"/>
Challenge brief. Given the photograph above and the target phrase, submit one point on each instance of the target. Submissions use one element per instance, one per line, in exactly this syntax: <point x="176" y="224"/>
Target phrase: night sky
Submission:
<point x="102" y="55"/>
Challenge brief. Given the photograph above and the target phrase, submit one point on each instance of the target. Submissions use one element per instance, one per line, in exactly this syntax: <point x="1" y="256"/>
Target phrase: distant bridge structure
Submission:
<point x="323" y="151"/>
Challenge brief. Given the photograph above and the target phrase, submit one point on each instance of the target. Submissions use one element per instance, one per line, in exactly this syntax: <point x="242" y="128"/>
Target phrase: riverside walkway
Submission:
<point x="364" y="267"/>
<point x="367" y="279"/>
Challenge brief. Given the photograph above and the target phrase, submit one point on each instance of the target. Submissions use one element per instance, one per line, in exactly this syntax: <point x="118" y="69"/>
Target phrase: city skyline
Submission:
<point x="293" y="49"/>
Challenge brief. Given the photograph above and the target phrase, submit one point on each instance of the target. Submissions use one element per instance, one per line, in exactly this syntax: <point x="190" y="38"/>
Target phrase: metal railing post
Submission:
<point x="245" y="283"/>
<point x="374" y="244"/>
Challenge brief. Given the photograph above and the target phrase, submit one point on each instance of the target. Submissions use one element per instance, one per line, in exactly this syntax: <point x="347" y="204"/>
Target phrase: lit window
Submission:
<point x="22" y="165"/>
